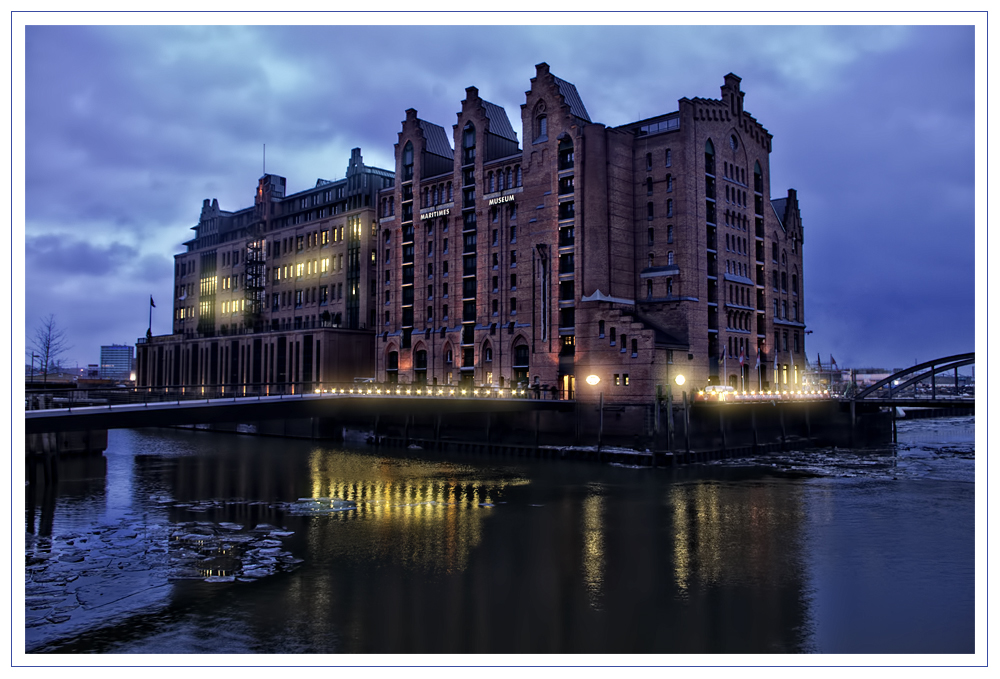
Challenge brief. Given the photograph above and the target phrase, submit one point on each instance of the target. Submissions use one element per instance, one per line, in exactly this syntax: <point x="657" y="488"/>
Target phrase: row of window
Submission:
<point x="669" y="288"/>
<point x="784" y="281"/>
<point x="309" y="268"/>
<point x="651" y="260"/>
<point x="651" y="234"/>
<point x="650" y="209"/>
<point x="319" y="295"/>
<point x="502" y="180"/>
<point x="783" y="309"/>
<point x="796" y="348"/>
<point x="668" y="160"/>
<point x="619" y="340"/>
<point x="649" y="185"/>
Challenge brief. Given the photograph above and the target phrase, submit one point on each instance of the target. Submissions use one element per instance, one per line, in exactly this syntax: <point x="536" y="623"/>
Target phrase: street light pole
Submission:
<point x="600" y="430"/>
<point x="594" y="380"/>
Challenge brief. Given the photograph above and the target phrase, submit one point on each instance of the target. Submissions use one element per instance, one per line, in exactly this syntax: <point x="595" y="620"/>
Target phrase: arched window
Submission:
<point x="492" y="184"/>
<point x="670" y="183"/>
<point x="668" y="158"/>
<point x="487" y="353"/>
<point x="565" y="154"/>
<point x="649" y="186"/>
<point x="509" y="183"/>
<point x="670" y="258"/>
<point x="709" y="157"/>
<point x="649" y="211"/>
<point x="517" y="175"/>
<point x="541" y="123"/>
<point x="649" y="287"/>
<point x="469" y="143"/>
<point x="520" y="361"/>
<point x="758" y="178"/>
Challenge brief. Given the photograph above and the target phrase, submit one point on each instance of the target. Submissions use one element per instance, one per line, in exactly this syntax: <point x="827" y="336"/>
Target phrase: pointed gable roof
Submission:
<point x="437" y="139"/>
<point x="779" y="205"/>
<point x="572" y="97"/>
<point x="499" y="122"/>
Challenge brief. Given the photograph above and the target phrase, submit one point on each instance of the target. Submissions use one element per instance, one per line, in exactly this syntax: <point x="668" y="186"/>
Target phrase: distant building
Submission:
<point x="279" y="296"/>
<point x="116" y="362"/>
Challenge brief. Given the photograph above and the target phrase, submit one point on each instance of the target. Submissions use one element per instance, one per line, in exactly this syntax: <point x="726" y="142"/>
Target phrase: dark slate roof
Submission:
<point x="573" y="100"/>
<point x="437" y="139"/>
<point x="499" y="122"/>
<point x="779" y="207"/>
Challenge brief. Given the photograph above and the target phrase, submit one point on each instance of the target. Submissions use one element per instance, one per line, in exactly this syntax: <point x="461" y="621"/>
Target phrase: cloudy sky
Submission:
<point x="128" y="128"/>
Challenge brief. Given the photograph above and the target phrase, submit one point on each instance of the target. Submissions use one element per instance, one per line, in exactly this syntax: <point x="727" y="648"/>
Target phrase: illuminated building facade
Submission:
<point x="279" y="296"/>
<point x="637" y="253"/>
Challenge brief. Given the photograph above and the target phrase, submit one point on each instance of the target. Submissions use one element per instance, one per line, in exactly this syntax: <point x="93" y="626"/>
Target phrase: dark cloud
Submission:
<point x="129" y="128"/>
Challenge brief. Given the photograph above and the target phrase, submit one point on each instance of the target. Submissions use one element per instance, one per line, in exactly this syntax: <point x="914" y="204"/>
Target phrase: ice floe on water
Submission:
<point x="320" y="505"/>
<point x="94" y="576"/>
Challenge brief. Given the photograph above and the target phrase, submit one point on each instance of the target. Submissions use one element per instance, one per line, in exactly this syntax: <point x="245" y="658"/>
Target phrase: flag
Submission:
<point x="833" y="361"/>
<point x="757" y="366"/>
<point x="151" y="303"/>
<point x="741" y="357"/>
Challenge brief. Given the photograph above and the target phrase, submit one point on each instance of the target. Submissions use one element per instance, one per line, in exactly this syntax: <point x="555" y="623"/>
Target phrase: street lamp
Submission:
<point x="679" y="380"/>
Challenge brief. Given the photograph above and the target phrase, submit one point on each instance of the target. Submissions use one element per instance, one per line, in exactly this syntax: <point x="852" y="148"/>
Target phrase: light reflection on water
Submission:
<point x="531" y="556"/>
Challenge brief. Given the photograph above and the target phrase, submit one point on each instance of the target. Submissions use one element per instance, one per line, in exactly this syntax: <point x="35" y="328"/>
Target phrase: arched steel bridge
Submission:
<point x="901" y="388"/>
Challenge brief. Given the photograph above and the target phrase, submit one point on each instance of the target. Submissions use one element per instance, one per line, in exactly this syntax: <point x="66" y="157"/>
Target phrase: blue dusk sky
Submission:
<point x="128" y="128"/>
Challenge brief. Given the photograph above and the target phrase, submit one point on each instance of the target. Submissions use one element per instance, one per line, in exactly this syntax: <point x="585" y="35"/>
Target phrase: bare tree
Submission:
<point x="50" y="343"/>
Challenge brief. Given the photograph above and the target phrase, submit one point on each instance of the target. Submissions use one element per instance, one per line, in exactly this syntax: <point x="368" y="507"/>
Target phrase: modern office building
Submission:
<point x="644" y="255"/>
<point x="116" y="362"/>
<point x="276" y="297"/>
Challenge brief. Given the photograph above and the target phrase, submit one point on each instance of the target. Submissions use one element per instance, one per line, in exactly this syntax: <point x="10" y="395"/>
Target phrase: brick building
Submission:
<point x="276" y="297"/>
<point x="637" y="253"/>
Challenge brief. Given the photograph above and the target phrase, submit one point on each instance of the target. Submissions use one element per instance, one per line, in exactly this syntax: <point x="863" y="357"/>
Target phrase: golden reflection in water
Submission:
<point x="426" y="515"/>
<point x="698" y="534"/>
<point x="732" y="534"/>
<point x="593" y="548"/>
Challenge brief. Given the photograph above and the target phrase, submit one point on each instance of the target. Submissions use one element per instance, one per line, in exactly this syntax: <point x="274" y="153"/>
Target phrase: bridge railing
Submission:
<point x="110" y="396"/>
